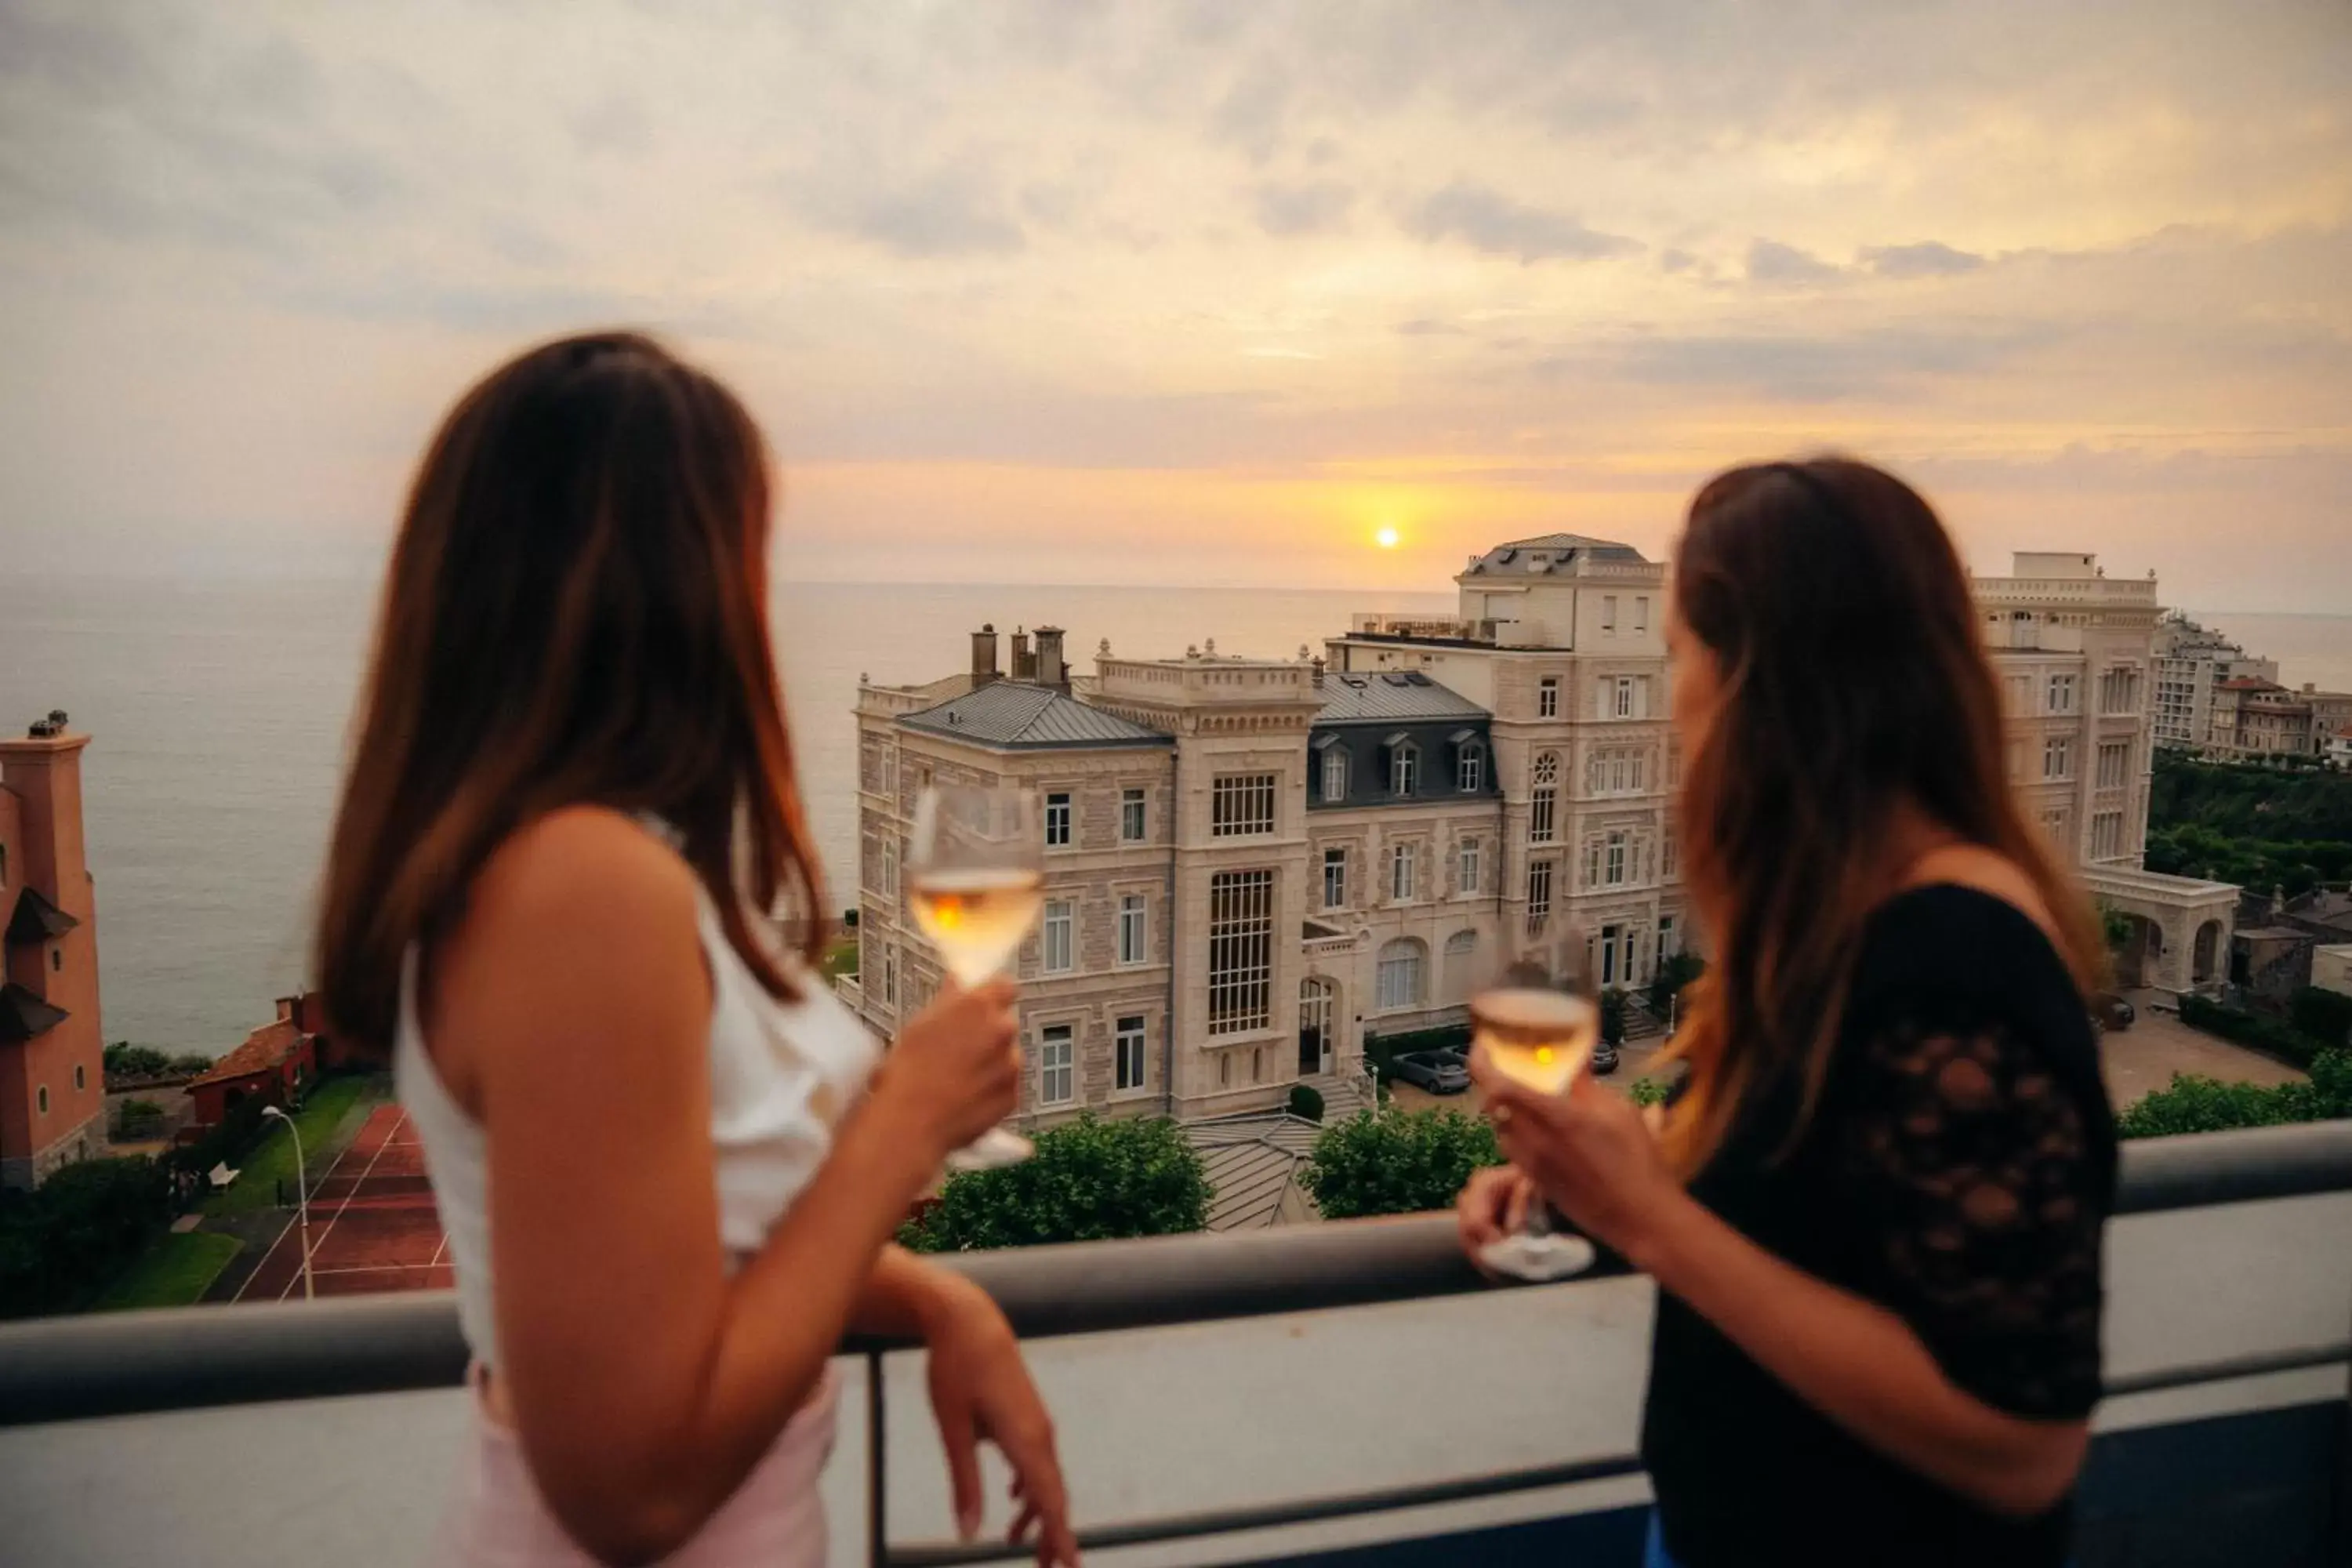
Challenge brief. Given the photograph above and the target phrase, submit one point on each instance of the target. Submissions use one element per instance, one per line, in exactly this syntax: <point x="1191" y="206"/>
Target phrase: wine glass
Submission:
<point x="1534" y="1027"/>
<point x="977" y="872"/>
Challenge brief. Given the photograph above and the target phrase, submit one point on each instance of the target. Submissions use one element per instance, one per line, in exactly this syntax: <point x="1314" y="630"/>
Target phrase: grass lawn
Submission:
<point x="172" y="1273"/>
<point x="272" y="1160"/>
<point x="841" y="958"/>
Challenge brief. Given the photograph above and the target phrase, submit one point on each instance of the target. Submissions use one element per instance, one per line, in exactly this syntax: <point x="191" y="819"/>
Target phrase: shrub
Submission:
<point x="1672" y="974"/>
<point x="1091" y="1180"/>
<point x="2325" y="1016"/>
<point x="1307" y="1102"/>
<point x="1396" y="1162"/>
<point x="2268" y="1035"/>
<point x="2196" y="1104"/>
<point x="60" y="1244"/>
<point x="1647" y="1091"/>
<point x="1613" y="1017"/>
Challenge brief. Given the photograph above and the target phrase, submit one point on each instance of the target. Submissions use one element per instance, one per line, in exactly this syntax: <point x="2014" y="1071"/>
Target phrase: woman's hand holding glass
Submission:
<point x="1590" y="1152"/>
<point x="954" y="1070"/>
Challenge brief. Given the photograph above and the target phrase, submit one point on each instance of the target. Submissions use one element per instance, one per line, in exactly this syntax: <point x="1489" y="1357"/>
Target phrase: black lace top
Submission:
<point x="1959" y="1170"/>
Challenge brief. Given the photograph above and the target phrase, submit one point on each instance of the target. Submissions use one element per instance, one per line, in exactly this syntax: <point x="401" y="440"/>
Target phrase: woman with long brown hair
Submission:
<point x="667" y="1158"/>
<point x="1874" y="1208"/>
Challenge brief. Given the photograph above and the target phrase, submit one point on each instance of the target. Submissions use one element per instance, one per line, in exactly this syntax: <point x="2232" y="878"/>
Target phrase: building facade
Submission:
<point x="52" y="1071"/>
<point x="2191" y="662"/>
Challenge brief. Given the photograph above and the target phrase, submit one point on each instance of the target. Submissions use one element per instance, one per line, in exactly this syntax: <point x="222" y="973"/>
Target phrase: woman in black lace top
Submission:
<point x="1874" y="1208"/>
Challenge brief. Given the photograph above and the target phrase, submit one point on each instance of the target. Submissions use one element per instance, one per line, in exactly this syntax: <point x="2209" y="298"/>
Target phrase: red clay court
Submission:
<point x="372" y="1223"/>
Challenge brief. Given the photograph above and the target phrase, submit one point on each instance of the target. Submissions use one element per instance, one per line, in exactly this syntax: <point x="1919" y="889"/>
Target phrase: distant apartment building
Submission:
<point x="52" y="1073"/>
<point x="2191" y="662"/>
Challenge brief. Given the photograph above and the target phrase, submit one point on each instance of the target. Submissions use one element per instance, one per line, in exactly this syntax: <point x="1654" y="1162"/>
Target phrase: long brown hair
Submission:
<point x="576" y="613"/>
<point x="1854" y="679"/>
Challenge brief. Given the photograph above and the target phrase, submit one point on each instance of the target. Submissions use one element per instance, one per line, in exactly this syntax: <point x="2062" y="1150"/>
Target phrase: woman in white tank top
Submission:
<point x="668" y="1161"/>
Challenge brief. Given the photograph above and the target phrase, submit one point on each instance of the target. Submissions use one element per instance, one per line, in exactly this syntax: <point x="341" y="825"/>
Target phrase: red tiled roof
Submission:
<point x="266" y="1048"/>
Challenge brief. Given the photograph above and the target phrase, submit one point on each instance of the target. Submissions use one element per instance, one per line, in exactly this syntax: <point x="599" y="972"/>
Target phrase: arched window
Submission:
<point x="1404" y="979"/>
<point x="1543" y="812"/>
<point x="1404" y="768"/>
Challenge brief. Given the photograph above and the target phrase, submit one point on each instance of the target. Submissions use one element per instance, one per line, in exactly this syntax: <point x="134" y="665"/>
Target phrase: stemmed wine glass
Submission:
<point x="1536" y="1027"/>
<point x="977" y="870"/>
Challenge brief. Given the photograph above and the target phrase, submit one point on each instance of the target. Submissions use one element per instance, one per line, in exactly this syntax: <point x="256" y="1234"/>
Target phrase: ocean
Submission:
<point x="218" y="713"/>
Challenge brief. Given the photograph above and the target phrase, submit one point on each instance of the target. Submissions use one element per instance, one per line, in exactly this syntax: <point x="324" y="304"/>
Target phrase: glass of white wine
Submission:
<point x="977" y="873"/>
<point x="1541" y="1036"/>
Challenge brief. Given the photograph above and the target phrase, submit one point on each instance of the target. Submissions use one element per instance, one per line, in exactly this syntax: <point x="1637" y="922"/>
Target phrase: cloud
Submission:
<point x="1676" y="261"/>
<point x="1313" y="207"/>
<point x="1487" y="220"/>
<point x="1769" y="261"/>
<point x="1929" y="259"/>
<point x="1251" y="114"/>
<point x="1807" y="368"/>
<point x="955" y="210"/>
<point x="1424" y="326"/>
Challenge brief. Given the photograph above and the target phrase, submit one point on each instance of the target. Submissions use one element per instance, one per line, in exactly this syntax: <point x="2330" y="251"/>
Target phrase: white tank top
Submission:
<point x="781" y="1074"/>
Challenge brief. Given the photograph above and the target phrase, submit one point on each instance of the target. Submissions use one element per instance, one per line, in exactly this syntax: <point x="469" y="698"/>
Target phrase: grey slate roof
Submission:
<point x="1516" y="558"/>
<point x="1252" y="1163"/>
<point x="1373" y="696"/>
<point x="1018" y="715"/>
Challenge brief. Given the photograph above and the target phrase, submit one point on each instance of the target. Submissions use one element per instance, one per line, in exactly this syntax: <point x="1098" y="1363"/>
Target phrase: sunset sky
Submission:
<point x="1066" y="292"/>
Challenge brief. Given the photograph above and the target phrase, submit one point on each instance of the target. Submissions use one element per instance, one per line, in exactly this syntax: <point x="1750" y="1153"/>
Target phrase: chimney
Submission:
<point x="1319" y="674"/>
<point x="1051" y="670"/>
<point x="1025" y="663"/>
<point x="983" y="655"/>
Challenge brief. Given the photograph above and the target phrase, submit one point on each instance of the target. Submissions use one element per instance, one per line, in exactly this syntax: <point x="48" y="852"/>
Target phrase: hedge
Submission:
<point x="2269" y="1036"/>
<point x="2198" y="1104"/>
<point x="1396" y="1162"/>
<point x="60" y="1244"/>
<point x="2325" y="1016"/>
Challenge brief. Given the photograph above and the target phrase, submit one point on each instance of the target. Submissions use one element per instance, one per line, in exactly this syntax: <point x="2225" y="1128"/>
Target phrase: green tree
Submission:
<point x="1672" y="974"/>
<point x="2115" y="925"/>
<point x="1091" y="1180"/>
<point x="1396" y="1162"/>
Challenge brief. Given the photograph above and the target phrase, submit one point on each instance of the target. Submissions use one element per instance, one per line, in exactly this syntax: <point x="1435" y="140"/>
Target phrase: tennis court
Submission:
<point x="372" y="1223"/>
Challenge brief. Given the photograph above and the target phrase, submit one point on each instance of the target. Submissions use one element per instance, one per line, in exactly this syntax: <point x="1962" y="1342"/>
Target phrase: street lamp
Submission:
<point x="302" y="1194"/>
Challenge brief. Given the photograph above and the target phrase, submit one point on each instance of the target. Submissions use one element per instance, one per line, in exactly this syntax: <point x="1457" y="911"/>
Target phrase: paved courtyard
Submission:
<point x="2137" y="1061"/>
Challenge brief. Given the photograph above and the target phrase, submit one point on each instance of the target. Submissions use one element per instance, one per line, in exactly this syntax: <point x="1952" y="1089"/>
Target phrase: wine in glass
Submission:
<point x="1540" y="1036"/>
<point x="978" y="878"/>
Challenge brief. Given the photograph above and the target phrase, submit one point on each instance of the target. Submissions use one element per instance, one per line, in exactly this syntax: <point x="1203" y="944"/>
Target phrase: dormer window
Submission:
<point x="1335" y="773"/>
<point x="1404" y="766"/>
<point x="1469" y="763"/>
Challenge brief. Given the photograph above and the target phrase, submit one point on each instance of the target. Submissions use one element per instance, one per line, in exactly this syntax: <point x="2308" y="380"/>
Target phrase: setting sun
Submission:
<point x="1387" y="538"/>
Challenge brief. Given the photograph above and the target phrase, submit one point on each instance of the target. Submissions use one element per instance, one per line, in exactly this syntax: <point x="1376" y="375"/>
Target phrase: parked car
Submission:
<point x="2111" y="1012"/>
<point x="1438" y="1071"/>
<point x="1604" y="1059"/>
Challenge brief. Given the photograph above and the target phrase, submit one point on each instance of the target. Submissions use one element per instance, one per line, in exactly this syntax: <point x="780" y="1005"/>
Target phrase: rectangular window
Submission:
<point x="1398" y="977"/>
<point x="1400" y="872"/>
<point x="1547" y="697"/>
<point x="2062" y="694"/>
<point x="1619" y="770"/>
<point x="2058" y="758"/>
<point x="1542" y="815"/>
<point x="1615" y="877"/>
<point x="890" y="975"/>
<point x="1538" y="896"/>
<point x="1470" y="769"/>
<point x="1131" y="929"/>
<point x="1335" y="773"/>
<point x="2106" y="835"/>
<point x="1641" y="615"/>
<point x="1240" y="951"/>
<point x="1666" y="946"/>
<point x="1634" y="770"/>
<point x="1057" y="820"/>
<point x="1126" y="1047"/>
<point x="1624" y="697"/>
<point x="1592" y="862"/>
<point x="1468" y="870"/>
<point x="1057" y="1066"/>
<point x="1667" y="854"/>
<point x="890" y="867"/>
<point x="1241" y="805"/>
<point x="1060" y="920"/>
<point x="1335" y="878"/>
<point x="2114" y="764"/>
<point x="1405" y="770"/>
<point x="1608" y="612"/>
<point x="1131" y="820"/>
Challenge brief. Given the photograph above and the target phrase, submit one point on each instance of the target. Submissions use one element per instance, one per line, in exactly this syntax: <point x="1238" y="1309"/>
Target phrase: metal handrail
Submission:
<point x="66" y="1369"/>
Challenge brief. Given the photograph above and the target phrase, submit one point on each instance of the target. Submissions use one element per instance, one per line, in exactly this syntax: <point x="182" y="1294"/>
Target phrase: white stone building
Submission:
<point x="2190" y="661"/>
